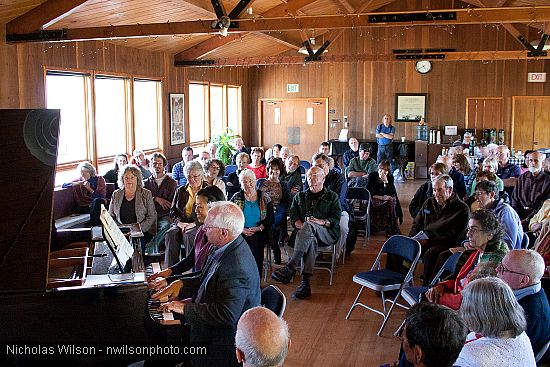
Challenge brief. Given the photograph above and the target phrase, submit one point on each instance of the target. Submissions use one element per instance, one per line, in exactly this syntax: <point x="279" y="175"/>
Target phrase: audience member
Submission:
<point x="443" y="220"/>
<point x="276" y="151"/>
<point x="228" y="286"/>
<point x="459" y="187"/>
<point x="497" y="322"/>
<point x="279" y="193"/>
<point x="214" y="170"/>
<point x="489" y="164"/>
<point x="433" y="336"/>
<point x="258" y="215"/>
<point x="285" y="153"/>
<point x="140" y="160"/>
<point x="522" y="270"/>
<point x="232" y="184"/>
<point x="360" y="167"/>
<point x="293" y="177"/>
<point x="535" y="224"/>
<point x="384" y="137"/>
<point x="111" y="176"/>
<point x="196" y="259"/>
<point x="532" y="189"/>
<point x="89" y="192"/>
<point x="466" y="140"/>
<point x="324" y="148"/>
<point x="162" y="187"/>
<point x="212" y="149"/>
<point x="239" y="148"/>
<point x="487" y="196"/>
<point x="256" y="165"/>
<point x="385" y="206"/>
<point x="352" y="152"/>
<point x="182" y="212"/>
<point x="546" y="165"/>
<point x="507" y="171"/>
<point x="132" y="203"/>
<point x="315" y="214"/>
<point x="425" y="191"/>
<point x="485" y="238"/>
<point x="262" y="339"/>
<point x="462" y="165"/>
<point x="203" y="157"/>
<point x="177" y="170"/>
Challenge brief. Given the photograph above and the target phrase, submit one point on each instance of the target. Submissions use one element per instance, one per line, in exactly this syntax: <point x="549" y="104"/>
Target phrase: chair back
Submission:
<point x="274" y="299"/>
<point x="302" y="170"/>
<point x="358" y="193"/>
<point x="448" y="266"/>
<point x="230" y="168"/>
<point x="402" y="246"/>
<point x="260" y="182"/>
<point x="305" y="164"/>
<point x="525" y="241"/>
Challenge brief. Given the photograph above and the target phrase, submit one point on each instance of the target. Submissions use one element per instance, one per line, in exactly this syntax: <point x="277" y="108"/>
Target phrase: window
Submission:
<point x="214" y="108"/>
<point x="125" y="115"/>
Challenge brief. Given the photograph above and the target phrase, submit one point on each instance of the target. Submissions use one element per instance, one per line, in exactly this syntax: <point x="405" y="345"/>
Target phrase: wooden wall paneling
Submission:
<point x="541" y="138"/>
<point x="31" y="76"/>
<point x="523" y="127"/>
<point x="9" y="84"/>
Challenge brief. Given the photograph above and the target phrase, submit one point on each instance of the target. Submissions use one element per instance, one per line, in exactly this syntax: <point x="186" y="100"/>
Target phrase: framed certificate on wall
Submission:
<point x="410" y="106"/>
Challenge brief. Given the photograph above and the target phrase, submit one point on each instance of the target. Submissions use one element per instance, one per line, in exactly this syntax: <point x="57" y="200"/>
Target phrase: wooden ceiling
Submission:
<point x="272" y="31"/>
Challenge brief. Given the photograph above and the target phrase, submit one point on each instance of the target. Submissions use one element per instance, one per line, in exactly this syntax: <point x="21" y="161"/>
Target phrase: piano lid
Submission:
<point x="29" y="153"/>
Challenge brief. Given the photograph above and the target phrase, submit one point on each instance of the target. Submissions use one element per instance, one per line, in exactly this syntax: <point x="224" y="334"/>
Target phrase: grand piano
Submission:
<point x="54" y="309"/>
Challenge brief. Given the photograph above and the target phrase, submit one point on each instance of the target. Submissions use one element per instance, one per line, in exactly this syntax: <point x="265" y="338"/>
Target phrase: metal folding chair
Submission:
<point x="274" y="299"/>
<point x="359" y="199"/>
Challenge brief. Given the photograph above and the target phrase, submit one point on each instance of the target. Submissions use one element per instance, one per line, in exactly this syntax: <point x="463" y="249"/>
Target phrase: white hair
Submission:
<point x="246" y="174"/>
<point x="88" y="167"/>
<point x="194" y="167"/>
<point x="227" y="215"/>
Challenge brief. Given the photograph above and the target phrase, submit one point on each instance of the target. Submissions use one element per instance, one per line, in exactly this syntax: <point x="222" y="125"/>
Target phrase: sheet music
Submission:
<point x="120" y="242"/>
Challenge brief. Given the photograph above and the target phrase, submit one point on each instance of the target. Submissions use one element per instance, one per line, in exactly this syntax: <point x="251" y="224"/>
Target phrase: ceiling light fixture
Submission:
<point x="223" y="24"/>
<point x="314" y="48"/>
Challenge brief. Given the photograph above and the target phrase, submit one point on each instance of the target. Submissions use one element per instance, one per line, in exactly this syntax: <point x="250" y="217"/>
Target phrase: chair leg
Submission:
<point x="398" y="331"/>
<point x="387" y="317"/>
<point x="355" y="302"/>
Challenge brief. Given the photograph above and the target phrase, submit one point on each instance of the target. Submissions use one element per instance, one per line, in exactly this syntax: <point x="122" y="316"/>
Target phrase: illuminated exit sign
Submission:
<point x="536" y="77"/>
<point x="293" y="88"/>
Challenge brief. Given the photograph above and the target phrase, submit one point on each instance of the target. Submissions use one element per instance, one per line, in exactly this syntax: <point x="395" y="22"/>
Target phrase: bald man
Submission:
<point x="507" y="171"/>
<point x="522" y="270"/>
<point x="262" y="339"/>
<point x="532" y="189"/>
<point x="459" y="187"/>
<point x="352" y="152"/>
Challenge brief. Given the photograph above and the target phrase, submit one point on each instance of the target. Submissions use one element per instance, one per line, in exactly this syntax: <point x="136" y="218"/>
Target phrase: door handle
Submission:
<point x="536" y="143"/>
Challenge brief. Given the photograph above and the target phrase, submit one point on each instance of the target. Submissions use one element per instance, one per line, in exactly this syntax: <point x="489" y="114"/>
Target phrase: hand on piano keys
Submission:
<point x="159" y="274"/>
<point x="160" y="316"/>
<point x="171" y="292"/>
<point x="174" y="306"/>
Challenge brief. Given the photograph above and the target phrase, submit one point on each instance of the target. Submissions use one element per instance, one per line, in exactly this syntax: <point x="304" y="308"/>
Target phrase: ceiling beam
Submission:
<point x="279" y="38"/>
<point x="299" y="60"/>
<point x="340" y="21"/>
<point x="203" y="6"/>
<point x="205" y="47"/>
<point x="43" y="16"/>
<point x="344" y="6"/>
<point x="290" y="7"/>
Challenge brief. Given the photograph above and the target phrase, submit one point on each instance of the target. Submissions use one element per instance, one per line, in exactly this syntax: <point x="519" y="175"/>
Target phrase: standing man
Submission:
<point x="352" y="152"/>
<point x="384" y="137"/>
<point x="162" y="187"/>
<point x="177" y="170"/>
<point x="228" y="286"/>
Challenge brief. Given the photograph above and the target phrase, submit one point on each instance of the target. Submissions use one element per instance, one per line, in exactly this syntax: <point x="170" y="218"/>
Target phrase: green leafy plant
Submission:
<point x="225" y="148"/>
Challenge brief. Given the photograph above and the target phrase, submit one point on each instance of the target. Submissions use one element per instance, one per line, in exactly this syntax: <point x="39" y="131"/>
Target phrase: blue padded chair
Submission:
<point x="384" y="280"/>
<point x="230" y="168"/>
<point x="305" y="164"/>
<point x="260" y="182"/>
<point x="359" y="199"/>
<point x="273" y="299"/>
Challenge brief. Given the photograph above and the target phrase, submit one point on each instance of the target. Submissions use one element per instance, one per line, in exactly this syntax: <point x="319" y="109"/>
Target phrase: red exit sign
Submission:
<point x="536" y="77"/>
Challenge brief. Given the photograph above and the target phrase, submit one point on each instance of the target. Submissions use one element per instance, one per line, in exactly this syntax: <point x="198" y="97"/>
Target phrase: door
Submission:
<point x="300" y="124"/>
<point x="530" y="123"/>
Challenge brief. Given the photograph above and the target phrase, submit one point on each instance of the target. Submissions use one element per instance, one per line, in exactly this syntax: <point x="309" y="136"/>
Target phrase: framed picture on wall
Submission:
<point x="410" y="106"/>
<point x="177" y="126"/>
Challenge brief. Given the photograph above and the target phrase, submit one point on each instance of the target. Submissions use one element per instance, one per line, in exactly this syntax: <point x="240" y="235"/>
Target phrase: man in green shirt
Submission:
<point x="360" y="167"/>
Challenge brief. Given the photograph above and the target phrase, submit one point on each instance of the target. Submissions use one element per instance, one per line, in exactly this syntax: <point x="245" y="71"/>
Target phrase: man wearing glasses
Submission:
<point x="522" y="270"/>
<point x="228" y="286"/>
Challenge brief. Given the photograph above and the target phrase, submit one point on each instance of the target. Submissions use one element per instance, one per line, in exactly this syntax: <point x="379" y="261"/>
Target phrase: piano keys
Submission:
<point x="162" y="318"/>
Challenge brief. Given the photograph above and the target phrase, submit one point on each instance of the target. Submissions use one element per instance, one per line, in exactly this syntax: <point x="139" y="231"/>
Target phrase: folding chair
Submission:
<point x="230" y="168"/>
<point x="359" y="199"/>
<point x="384" y="280"/>
<point x="414" y="294"/>
<point x="525" y="241"/>
<point x="542" y="352"/>
<point x="273" y="299"/>
<point x="305" y="164"/>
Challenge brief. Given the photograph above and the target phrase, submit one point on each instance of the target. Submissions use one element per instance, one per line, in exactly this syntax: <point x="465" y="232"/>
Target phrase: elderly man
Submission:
<point x="440" y="224"/>
<point x="532" y="189"/>
<point x="361" y="167"/>
<point x="433" y="335"/>
<point x="211" y="148"/>
<point x="507" y="171"/>
<point x="352" y="152"/>
<point x="262" y="339"/>
<point x="315" y="213"/>
<point x="177" y="170"/>
<point x="458" y="178"/>
<point x="239" y="148"/>
<point x="487" y="196"/>
<point x="384" y="137"/>
<point x="228" y="286"/>
<point x="163" y="188"/>
<point x="522" y="270"/>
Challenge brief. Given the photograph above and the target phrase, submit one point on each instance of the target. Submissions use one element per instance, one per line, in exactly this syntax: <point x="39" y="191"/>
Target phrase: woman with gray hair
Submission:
<point x="497" y="321"/>
<point x="182" y="213"/>
<point x="258" y="215"/>
<point x="89" y="192"/>
<point x="489" y="164"/>
<point x="133" y="203"/>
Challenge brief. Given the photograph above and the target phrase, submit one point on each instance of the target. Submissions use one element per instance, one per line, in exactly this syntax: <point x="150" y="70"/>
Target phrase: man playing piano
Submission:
<point x="228" y="286"/>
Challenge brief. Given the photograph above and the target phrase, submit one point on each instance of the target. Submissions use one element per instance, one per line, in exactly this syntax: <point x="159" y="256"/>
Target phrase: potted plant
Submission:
<point x="225" y="148"/>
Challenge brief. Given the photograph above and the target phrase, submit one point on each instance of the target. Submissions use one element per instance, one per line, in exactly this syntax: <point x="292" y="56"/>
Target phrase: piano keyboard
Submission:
<point x="163" y="318"/>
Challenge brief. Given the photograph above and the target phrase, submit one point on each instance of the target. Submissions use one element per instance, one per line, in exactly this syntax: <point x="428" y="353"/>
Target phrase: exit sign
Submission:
<point x="536" y="77"/>
<point x="292" y="88"/>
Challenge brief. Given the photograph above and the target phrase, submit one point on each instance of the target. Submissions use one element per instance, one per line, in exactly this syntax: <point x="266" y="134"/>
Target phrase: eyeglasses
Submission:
<point x="474" y="229"/>
<point x="502" y="269"/>
<point x="479" y="193"/>
<point x="214" y="167"/>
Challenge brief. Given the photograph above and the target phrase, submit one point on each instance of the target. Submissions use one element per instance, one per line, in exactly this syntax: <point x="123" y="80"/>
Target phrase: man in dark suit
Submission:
<point x="228" y="286"/>
<point x="522" y="270"/>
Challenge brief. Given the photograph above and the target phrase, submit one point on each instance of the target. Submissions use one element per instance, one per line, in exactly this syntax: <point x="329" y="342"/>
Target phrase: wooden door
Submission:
<point x="484" y="113"/>
<point x="530" y="123"/>
<point x="290" y="126"/>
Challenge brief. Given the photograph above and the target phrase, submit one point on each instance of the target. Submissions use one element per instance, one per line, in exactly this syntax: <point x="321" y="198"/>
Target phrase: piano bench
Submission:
<point x="72" y="221"/>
